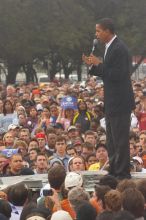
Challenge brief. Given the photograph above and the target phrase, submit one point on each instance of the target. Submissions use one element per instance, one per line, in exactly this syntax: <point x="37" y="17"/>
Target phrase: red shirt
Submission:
<point x="142" y="121"/>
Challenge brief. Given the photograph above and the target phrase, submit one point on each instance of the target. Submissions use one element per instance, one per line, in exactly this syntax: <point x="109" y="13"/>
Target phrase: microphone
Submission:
<point x="95" y="42"/>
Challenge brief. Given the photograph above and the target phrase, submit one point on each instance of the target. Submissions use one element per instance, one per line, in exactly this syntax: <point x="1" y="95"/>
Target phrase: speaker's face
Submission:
<point x="102" y="34"/>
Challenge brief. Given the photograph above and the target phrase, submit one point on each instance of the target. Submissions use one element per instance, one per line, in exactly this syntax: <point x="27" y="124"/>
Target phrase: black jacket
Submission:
<point x="115" y="72"/>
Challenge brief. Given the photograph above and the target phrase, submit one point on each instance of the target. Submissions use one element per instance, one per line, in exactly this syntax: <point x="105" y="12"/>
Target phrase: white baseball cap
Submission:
<point x="61" y="215"/>
<point x="12" y="127"/>
<point x="73" y="179"/>
<point x="36" y="217"/>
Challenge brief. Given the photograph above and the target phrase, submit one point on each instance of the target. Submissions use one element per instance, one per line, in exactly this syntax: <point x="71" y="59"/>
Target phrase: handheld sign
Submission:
<point x="69" y="102"/>
<point x="9" y="152"/>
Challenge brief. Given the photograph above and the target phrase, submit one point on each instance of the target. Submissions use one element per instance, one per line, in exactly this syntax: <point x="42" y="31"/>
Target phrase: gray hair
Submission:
<point x="76" y="196"/>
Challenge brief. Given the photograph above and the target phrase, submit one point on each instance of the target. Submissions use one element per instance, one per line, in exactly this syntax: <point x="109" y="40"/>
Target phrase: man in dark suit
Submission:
<point x="118" y="95"/>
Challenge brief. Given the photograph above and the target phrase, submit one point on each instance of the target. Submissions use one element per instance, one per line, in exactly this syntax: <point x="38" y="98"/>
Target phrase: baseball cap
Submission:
<point x="61" y="215"/>
<point x="77" y="142"/>
<point x="35" y="91"/>
<point x="35" y="217"/>
<point x="40" y="135"/>
<point x="73" y="179"/>
<point x="71" y="128"/>
<point x="12" y="127"/>
<point x="55" y="161"/>
<point x="39" y="107"/>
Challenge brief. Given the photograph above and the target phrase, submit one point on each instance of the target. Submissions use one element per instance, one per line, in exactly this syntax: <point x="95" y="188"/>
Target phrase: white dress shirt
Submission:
<point x="108" y="45"/>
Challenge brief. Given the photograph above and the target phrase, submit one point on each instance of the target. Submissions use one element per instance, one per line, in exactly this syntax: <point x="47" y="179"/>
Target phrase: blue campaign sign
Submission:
<point x="69" y="102"/>
<point x="9" y="152"/>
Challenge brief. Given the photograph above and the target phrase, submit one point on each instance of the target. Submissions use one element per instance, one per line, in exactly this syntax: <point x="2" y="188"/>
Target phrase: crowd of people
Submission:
<point x="64" y="198"/>
<point x="38" y="134"/>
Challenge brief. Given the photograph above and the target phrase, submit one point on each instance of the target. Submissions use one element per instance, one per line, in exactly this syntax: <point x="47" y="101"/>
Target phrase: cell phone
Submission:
<point x="47" y="192"/>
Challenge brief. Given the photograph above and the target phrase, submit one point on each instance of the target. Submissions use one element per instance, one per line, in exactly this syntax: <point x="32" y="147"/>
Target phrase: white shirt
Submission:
<point x="103" y="123"/>
<point x="16" y="212"/>
<point x="134" y="122"/>
<point x="108" y="44"/>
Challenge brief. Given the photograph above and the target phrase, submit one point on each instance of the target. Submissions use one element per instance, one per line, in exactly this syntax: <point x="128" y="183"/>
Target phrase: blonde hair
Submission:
<point x="20" y="143"/>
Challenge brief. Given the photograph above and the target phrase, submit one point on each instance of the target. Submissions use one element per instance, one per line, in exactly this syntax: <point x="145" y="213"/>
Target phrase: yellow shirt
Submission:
<point x="95" y="166"/>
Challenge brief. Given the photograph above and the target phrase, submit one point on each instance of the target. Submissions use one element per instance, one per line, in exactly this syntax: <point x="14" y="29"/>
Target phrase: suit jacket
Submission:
<point x="115" y="72"/>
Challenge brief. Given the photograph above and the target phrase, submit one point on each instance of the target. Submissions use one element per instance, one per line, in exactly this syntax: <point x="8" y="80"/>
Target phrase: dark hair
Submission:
<point x="18" y="194"/>
<point x="35" y="211"/>
<point x="105" y="215"/>
<point x="133" y="201"/>
<point x="109" y="180"/>
<point x="35" y="149"/>
<point x="60" y="138"/>
<point x="26" y="171"/>
<point x="107" y="24"/>
<point x="89" y="132"/>
<point x="33" y="139"/>
<point x="56" y="176"/>
<point x="133" y="135"/>
<point x="100" y="192"/>
<point x="95" y="120"/>
<point x="42" y="154"/>
<point x="88" y="146"/>
<point x="90" y="155"/>
<point x="50" y="130"/>
<point x="71" y="147"/>
<point x="32" y="107"/>
<point x="86" y="211"/>
<point x="100" y="145"/>
<point x="78" y="105"/>
<point x="5" y="208"/>
<point x="4" y="108"/>
<point x="123" y="214"/>
<point x="27" y="210"/>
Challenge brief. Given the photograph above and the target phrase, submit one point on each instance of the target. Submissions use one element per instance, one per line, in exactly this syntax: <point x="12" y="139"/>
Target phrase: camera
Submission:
<point x="47" y="192"/>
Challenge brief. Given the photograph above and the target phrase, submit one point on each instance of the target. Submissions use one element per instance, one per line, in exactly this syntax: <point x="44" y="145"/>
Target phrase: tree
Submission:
<point x="31" y="28"/>
<point x="62" y="30"/>
<point x="130" y="20"/>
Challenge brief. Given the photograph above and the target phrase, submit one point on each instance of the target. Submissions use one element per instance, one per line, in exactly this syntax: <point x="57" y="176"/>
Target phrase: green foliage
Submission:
<point x="64" y="29"/>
